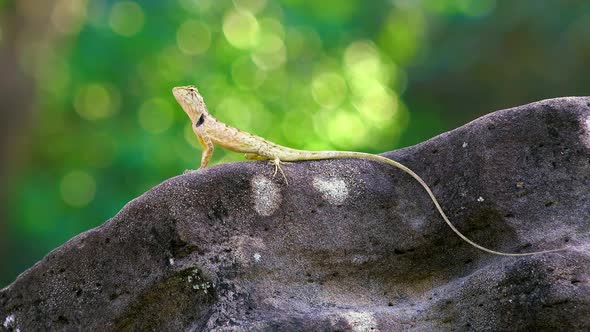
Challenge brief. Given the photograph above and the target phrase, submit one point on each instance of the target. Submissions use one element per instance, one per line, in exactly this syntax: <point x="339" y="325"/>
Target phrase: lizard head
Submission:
<point x="190" y="100"/>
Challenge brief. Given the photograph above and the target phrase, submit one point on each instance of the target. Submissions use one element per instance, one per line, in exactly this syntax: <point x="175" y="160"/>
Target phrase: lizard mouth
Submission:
<point x="175" y="92"/>
<point x="181" y="94"/>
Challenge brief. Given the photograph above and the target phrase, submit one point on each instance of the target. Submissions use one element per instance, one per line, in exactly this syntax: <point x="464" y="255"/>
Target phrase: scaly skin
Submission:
<point x="211" y="132"/>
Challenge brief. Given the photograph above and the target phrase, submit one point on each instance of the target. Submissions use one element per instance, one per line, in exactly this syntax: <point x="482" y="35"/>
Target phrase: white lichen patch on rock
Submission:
<point x="334" y="190"/>
<point x="360" y="321"/>
<point x="257" y="257"/>
<point x="9" y="322"/>
<point x="267" y="196"/>
<point x="198" y="283"/>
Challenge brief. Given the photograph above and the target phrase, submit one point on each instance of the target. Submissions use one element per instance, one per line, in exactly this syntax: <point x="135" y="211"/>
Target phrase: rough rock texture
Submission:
<point x="349" y="245"/>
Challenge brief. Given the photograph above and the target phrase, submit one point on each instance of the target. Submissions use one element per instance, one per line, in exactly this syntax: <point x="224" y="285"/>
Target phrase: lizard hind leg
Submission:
<point x="277" y="163"/>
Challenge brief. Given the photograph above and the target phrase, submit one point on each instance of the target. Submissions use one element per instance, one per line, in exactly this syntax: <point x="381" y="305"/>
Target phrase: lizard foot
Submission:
<point x="277" y="163"/>
<point x="187" y="171"/>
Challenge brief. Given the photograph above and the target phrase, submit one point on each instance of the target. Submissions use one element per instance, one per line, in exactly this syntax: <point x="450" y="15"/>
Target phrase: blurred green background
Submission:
<point x="88" y="120"/>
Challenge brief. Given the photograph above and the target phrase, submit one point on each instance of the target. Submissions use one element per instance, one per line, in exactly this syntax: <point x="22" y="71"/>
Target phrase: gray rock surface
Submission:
<point x="349" y="245"/>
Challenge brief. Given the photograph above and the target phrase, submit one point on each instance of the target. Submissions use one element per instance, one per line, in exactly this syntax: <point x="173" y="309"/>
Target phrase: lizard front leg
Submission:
<point x="208" y="148"/>
<point x="205" y="143"/>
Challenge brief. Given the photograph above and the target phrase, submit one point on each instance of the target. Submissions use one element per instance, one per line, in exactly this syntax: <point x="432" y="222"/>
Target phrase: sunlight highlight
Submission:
<point x="241" y="29"/>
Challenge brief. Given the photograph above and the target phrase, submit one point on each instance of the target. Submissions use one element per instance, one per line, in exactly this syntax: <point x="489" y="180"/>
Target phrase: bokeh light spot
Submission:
<point x="68" y="16"/>
<point x="96" y="101"/>
<point x="346" y="129"/>
<point x="328" y="89"/>
<point x="364" y="69"/>
<point x="241" y="29"/>
<point x="270" y="52"/>
<point x="77" y="188"/>
<point x="126" y="18"/>
<point x="362" y="54"/>
<point x="155" y="116"/>
<point x="193" y="37"/>
<point x="379" y="108"/>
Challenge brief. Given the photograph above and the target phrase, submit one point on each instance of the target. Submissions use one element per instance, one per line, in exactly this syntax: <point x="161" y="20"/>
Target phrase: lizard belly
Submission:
<point x="235" y="140"/>
<point x="235" y="146"/>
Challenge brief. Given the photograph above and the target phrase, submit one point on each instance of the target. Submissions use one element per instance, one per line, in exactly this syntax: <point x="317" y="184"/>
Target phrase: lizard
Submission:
<point x="211" y="132"/>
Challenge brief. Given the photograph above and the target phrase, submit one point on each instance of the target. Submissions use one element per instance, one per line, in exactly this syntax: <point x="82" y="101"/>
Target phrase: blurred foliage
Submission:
<point x="332" y="74"/>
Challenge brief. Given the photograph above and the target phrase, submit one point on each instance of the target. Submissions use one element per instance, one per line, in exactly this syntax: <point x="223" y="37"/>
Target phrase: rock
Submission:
<point x="348" y="245"/>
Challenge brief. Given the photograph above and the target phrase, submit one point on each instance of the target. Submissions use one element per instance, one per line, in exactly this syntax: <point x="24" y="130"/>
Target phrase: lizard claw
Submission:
<point x="277" y="163"/>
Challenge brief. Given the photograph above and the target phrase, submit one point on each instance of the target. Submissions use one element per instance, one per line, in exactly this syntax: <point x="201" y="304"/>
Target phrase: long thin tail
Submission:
<point x="361" y="155"/>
